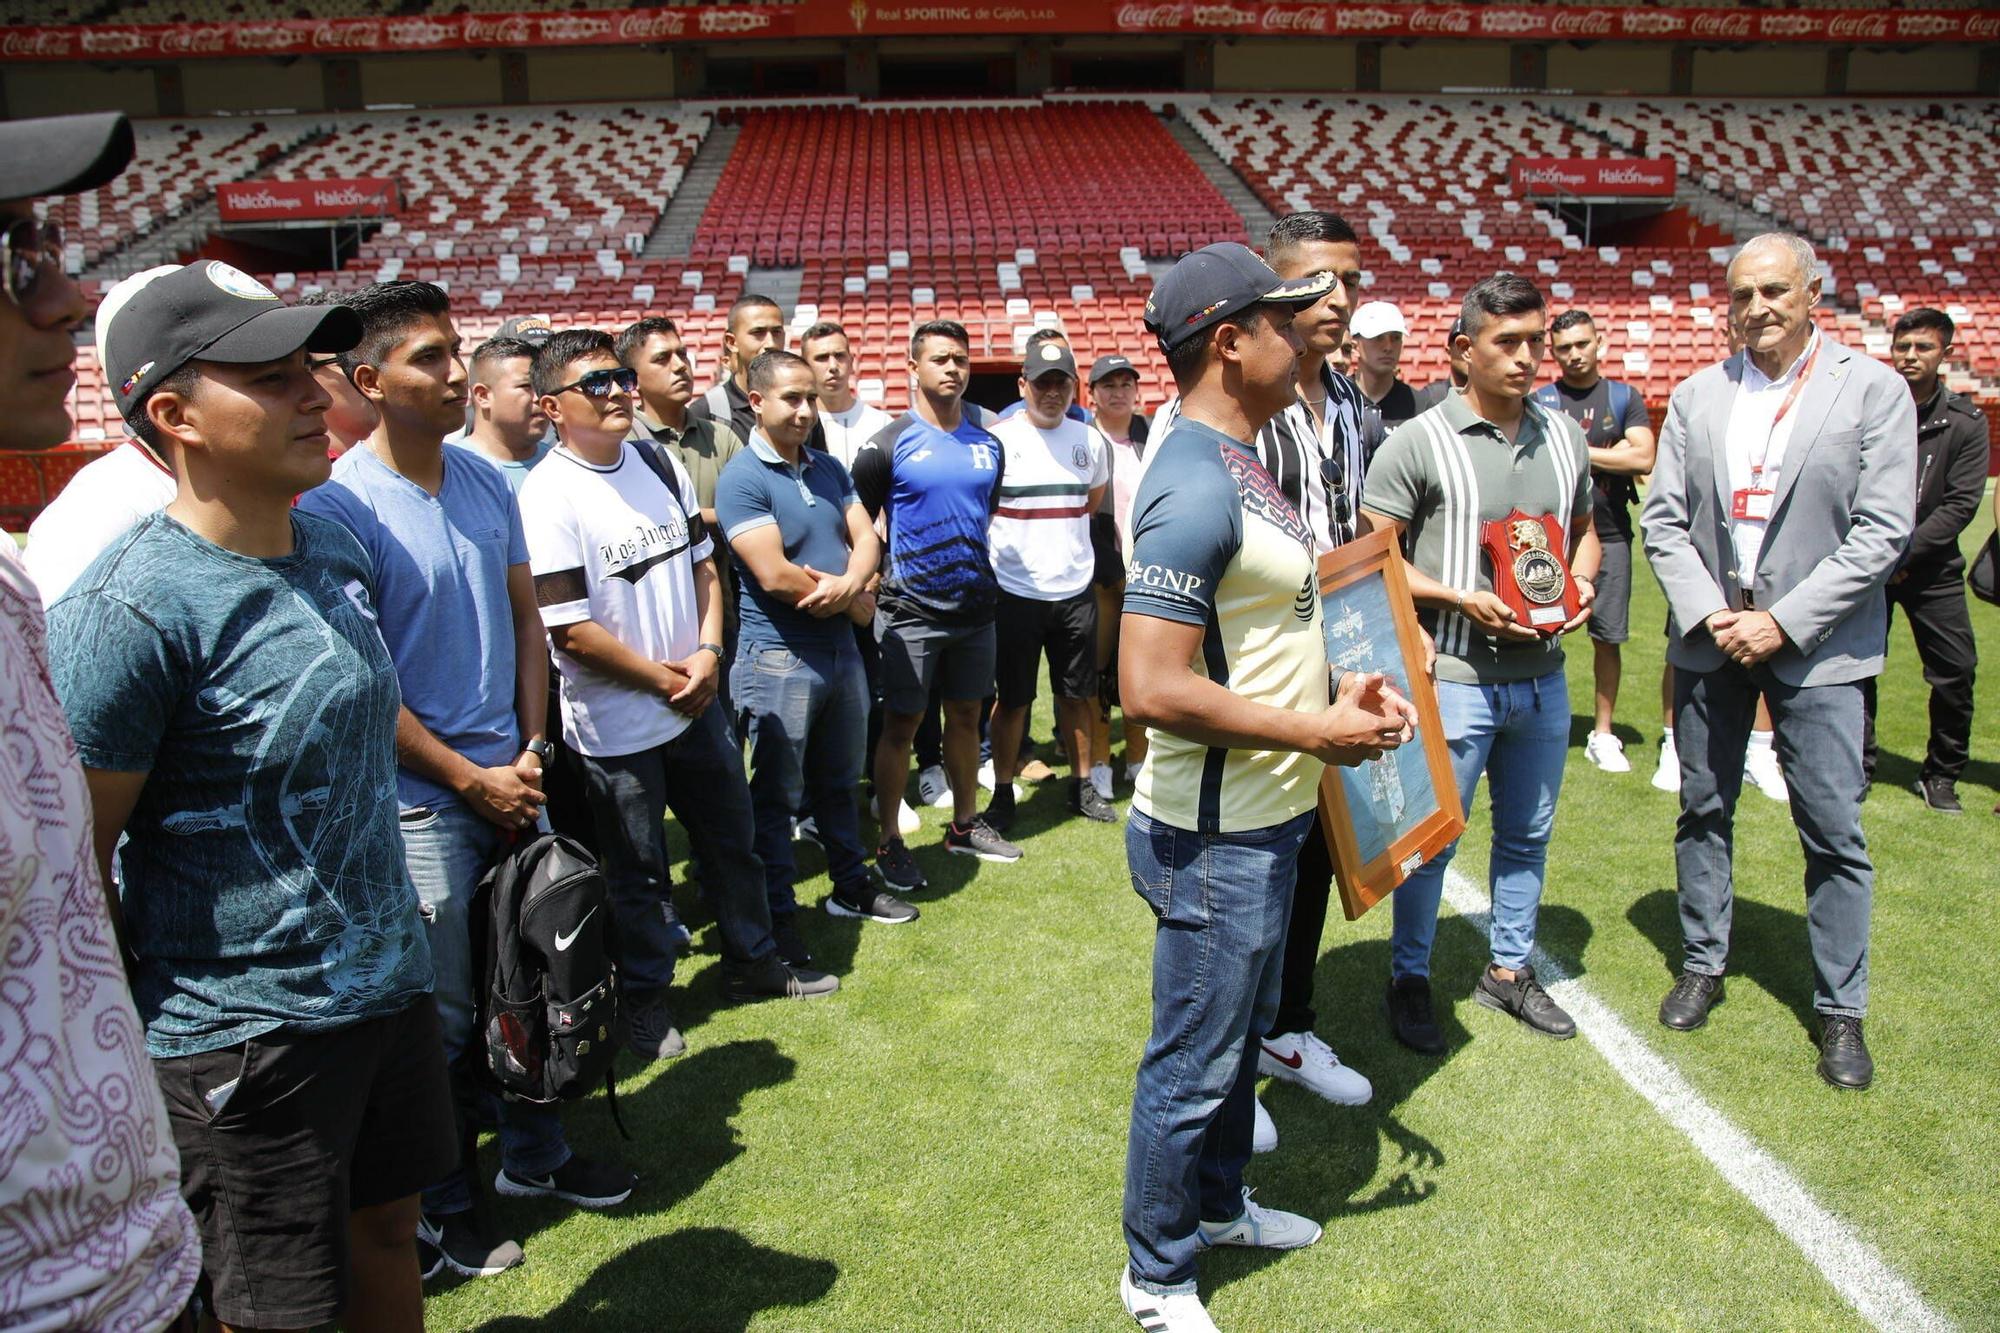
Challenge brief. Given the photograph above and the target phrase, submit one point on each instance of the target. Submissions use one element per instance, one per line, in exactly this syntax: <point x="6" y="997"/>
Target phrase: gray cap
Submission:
<point x="62" y="154"/>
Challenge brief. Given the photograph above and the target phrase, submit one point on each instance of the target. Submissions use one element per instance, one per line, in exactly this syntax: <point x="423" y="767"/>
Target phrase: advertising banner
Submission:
<point x="1601" y="177"/>
<point x="300" y="201"/>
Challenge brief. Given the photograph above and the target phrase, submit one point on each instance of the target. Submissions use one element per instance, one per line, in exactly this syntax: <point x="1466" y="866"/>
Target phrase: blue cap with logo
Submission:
<point x="1217" y="281"/>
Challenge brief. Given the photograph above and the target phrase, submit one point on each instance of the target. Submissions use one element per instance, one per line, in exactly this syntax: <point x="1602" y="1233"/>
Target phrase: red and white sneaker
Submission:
<point x="1302" y="1058"/>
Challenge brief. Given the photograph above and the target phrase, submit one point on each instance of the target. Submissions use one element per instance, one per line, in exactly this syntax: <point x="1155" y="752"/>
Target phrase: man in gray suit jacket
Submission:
<point x="1781" y="500"/>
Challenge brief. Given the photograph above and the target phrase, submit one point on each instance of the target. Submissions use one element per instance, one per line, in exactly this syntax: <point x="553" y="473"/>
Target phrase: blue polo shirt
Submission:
<point x="808" y="503"/>
<point x="938" y="490"/>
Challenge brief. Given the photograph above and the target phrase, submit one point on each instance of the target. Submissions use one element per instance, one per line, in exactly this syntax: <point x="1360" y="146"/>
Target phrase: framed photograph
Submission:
<point x="1389" y="816"/>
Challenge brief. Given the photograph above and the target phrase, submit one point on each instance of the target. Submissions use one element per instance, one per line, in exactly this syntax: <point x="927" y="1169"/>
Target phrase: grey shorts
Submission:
<point x="1610" y="615"/>
<point x="958" y="659"/>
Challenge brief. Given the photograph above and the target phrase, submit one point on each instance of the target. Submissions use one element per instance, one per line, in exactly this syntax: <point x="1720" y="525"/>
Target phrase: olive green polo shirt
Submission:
<point x="1443" y="475"/>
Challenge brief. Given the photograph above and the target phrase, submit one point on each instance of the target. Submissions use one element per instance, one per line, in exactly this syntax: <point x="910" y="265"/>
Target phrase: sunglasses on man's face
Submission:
<point x="29" y="248"/>
<point x="601" y="384"/>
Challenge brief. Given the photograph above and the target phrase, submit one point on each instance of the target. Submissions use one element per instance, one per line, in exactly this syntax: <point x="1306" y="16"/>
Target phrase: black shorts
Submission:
<point x="310" y="1128"/>
<point x="1066" y="630"/>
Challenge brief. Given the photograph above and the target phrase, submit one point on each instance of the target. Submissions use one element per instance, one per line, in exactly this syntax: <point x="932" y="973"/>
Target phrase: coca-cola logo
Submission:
<point x="1510" y="22"/>
<point x="1367" y="20"/>
<point x="421" y="32"/>
<point x="266" y="37"/>
<point x="357" y="35"/>
<point x="575" y="28"/>
<point x="112" y="41"/>
<point x="35" y="42"/>
<point x="504" y="30"/>
<point x="1789" y="25"/>
<point x="1142" y="18"/>
<point x="1223" y="16"/>
<point x="1858" y="25"/>
<point x="1925" y="25"/>
<point x="733" y="21"/>
<point x="1441" y="20"/>
<point x="1721" y="25"/>
<point x="1584" y="23"/>
<point x="194" y="41"/>
<point x="1650" y="22"/>
<point x="652" y="26"/>
<point x="1982" y="25"/>
<point x="1309" y="19"/>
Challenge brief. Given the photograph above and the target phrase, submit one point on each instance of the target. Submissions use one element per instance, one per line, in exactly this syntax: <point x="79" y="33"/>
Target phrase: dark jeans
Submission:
<point x="699" y="776"/>
<point x="1819" y="748"/>
<point x="803" y="714"/>
<point x="1942" y="627"/>
<point x="1302" y="935"/>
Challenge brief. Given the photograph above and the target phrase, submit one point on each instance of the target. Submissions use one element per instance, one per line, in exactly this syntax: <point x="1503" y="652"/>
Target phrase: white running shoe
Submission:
<point x="1607" y="752"/>
<point x="1264" y="1135"/>
<point x="907" y="822"/>
<point x="1667" y="777"/>
<point x="934" y="788"/>
<point x="1760" y="765"/>
<point x="1262" y="1228"/>
<point x="1302" y="1058"/>
<point x="1100" y="778"/>
<point x="1164" y="1314"/>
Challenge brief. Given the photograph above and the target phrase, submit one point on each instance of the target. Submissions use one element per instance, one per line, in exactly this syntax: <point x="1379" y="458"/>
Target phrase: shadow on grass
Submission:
<point x="697" y="1278"/>
<point x="1767" y="946"/>
<point x="1901" y="772"/>
<point x="1328" y="1155"/>
<point x="1580" y="725"/>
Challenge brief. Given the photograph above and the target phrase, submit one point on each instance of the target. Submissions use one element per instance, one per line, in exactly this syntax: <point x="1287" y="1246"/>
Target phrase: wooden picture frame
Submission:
<point x="1385" y="818"/>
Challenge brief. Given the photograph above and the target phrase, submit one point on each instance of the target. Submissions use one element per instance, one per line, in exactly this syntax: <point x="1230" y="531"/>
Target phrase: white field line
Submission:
<point x="1856" y="1269"/>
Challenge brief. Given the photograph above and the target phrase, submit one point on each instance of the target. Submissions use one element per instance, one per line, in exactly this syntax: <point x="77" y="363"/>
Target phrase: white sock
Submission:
<point x="1666" y="735"/>
<point x="1760" y="740"/>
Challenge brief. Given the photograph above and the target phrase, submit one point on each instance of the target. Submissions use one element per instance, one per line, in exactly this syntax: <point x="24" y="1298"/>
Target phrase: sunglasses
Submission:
<point x="29" y="248"/>
<point x="1333" y="472"/>
<point x="601" y="384"/>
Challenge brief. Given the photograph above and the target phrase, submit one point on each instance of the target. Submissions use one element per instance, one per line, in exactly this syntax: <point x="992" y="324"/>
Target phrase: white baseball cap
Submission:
<point x="1376" y="318"/>
<point x="121" y="292"/>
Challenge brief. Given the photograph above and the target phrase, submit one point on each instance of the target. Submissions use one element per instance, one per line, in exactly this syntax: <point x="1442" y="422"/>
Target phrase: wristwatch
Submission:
<point x="542" y="750"/>
<point x="715" y="648"/>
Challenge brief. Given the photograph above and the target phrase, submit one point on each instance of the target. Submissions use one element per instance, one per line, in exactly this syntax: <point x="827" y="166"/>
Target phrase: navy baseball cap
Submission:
<point x="1217" y="281"/>
<point x="1111" y="365"/>
<point x="212" y="311"/>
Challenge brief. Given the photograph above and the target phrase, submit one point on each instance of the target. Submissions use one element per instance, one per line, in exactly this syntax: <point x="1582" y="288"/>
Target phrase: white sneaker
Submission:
<point x="1667" y="777"/>
<point x="1760" y="765"/>
<point x="1262" y="1228"/>
<point x="986" y="780"/>
<point x="1264" y="1136"/>
<point x="1100" y="778"/>
<point x="1607" y="752"/>
<point x="934" y="788"/>
<point x="1164" y="1314"/>
<point x="807" y="830"/>
<point x="1302" y="1058"/>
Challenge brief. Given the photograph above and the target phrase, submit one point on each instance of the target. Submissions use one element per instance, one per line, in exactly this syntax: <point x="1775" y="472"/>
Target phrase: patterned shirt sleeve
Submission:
<point x="117" y="677"/>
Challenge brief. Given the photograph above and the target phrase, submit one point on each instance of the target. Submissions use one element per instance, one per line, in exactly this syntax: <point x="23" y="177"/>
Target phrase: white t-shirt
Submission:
<point x="1755" y="446"/>
<point x="615" y="546"/>
<point x="848" y="431"/>
<point x="90" y="1202"/>
<point x="1127" y="461"/>
<point x="100" y="505"/>
<point x="1041" y="532"/>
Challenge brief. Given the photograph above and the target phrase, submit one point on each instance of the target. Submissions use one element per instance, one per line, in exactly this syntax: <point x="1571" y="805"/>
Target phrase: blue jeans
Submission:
<point x="447" y="850"/>
<point x="805" y="716"/>
<point x="1819" y="731"/>
<point x="699" y="776"/>
<point x="1222" y="901"/>
<point x="1517" y="733"/>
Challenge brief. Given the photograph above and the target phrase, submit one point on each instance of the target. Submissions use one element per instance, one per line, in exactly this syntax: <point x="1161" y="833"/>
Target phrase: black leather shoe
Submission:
<point x="1687" y="1004"/>
<point x="1410" y="1018"/>
<point x="1941" y="795"/>
<point x="1843" y="1055"/>
<point x="1524" y="998"/>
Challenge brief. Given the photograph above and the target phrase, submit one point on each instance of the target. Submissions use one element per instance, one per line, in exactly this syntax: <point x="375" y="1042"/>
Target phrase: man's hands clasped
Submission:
<point x="1368" y="718"/>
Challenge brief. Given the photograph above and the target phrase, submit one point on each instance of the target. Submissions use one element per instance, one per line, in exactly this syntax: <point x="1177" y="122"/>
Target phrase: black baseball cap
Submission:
<point x="1046" y="357"/>
<point x="1217" y="281"/>
<point x="1110" y="365"/>
<point x="62" y="154"/>
<point x="211" y="311"/>
<point x="533" y="330"/>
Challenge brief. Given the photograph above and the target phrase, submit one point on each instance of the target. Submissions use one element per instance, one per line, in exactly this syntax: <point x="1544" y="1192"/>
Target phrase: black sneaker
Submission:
<point x="999" y="812"/>
<point x="868" y="903"/>
<point x="1686" y="1006"/>
<point x="1941" y="795"/>
<point x="770" y="977"/>
<point x="1410" y="1018"/>
<point x="1524" y="998"/>
<point x="899" y="869"/>
<point x="580" y="1181"/>
<point x="463" y="1244"/>
<point x="1085" y="800"/>
<point x="979" y="839"/>
<point x="1843" y="1056"/>
<point x="791" y="948"/>
<point x="650" y="1027"/>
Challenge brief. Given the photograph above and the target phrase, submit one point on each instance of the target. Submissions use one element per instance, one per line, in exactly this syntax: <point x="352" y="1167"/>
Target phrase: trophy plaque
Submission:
<point x="1529" y="572"/>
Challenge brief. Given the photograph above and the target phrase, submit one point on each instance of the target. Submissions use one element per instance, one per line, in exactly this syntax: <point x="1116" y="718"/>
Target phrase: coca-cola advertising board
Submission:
<point x="1596" y="177"/>
<point x="303" y="201"/>
<point x="110" y="42"/>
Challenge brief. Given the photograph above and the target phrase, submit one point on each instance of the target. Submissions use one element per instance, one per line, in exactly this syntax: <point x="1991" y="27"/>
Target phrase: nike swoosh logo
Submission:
<point x="1288" y="1061"/>
<point x="564" y="941"/>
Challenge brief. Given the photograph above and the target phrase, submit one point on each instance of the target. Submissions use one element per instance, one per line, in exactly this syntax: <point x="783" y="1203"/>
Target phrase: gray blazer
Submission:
<point x="1844" y="509"/>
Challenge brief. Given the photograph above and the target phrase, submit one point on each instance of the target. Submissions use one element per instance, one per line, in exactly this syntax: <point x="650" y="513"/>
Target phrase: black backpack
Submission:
<point x="549" y="1014"/>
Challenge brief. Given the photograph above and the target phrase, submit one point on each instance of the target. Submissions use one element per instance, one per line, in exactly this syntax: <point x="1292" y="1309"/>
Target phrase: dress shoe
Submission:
<point x="1687" y="1004"/>
<point x="1843" y="1055"/>
<point x="1524" y="998"/>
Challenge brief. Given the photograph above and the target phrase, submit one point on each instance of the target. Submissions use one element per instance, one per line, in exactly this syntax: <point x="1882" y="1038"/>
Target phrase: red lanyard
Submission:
<point x="1791" y="397"/>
